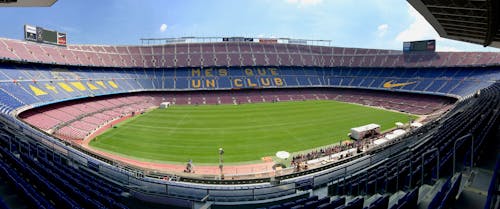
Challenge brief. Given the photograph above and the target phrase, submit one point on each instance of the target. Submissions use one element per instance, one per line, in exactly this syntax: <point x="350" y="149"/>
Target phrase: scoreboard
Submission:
<point x="420" y="46"/>
<point x="42" y="35"/>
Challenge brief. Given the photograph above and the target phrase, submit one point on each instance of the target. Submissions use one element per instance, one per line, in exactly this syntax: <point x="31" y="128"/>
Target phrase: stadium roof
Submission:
<point x="27" y="3"/>
<point x="474" y="21"/>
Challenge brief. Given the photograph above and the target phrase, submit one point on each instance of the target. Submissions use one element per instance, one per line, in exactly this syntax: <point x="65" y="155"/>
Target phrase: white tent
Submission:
<point x="164" y="105"/>
<point x="282" y="154"/>
<point x="380" y="141"/>
<point x="416" y="125"/>
<point x="390" y="136"/>
<point x="399" y="132"/>
<point x="360" y="132"/>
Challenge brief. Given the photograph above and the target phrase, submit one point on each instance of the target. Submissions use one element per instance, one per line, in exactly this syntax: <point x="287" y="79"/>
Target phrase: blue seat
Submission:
<point x="356" y="203"/>
<point x="323" y="200"/>
<point x="300" y="201"/>
<point x="380" y="203"/>
<point x="312" y="198"/>
<point x="338" y="202"/>
<point x="297" y="207"/>
<point x="288" y="205"/>
<point x="311" y="204"/>
<point x="275" y="207"/>
<point x="324" y="206"/>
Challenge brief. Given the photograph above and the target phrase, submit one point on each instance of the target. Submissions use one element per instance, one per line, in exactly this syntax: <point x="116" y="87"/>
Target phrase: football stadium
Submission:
<point x="253" y="122"/>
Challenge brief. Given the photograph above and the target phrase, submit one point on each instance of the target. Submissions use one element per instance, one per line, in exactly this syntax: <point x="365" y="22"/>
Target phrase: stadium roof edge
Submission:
<point x="422" y="9"/>
<point x="469" y="21"/>
<point x="28" y="3"/>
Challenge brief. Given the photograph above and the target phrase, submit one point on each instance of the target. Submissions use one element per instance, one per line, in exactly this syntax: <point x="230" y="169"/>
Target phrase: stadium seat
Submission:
<point x="54" y="98"/>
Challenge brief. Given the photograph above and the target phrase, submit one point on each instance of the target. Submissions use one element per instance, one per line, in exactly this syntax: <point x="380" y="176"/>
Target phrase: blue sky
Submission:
<point x="353" y="23"/>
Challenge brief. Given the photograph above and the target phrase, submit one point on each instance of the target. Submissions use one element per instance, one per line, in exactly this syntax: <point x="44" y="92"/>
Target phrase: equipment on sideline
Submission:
<point x="365" y="131"/>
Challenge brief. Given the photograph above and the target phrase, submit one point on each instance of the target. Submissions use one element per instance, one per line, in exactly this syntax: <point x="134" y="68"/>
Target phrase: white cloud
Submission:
<point x="301" y="3"/>
<point x="163" y="27"/>
<point x="419" y="29"/>
<point x="382" y="30"/>
<point x="447" y="49"/>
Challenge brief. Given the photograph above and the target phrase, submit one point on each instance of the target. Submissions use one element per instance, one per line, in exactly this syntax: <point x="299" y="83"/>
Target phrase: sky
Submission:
<point x="382" y="24"/>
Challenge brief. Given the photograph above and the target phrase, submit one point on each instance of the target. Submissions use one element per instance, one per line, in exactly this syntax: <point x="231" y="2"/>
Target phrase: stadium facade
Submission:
<point x="36" y="76"/>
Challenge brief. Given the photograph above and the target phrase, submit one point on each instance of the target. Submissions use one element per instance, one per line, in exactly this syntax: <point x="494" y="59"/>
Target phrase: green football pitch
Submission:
<point x="247" y="132"/>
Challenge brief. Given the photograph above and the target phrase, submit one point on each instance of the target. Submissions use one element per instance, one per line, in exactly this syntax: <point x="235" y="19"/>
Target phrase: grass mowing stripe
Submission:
<point x="246" y="132"/>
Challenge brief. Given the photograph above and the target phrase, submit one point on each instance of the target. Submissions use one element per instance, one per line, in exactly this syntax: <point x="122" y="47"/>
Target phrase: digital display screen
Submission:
<point x="420" y="46"/>
<point x="41" y="35"/>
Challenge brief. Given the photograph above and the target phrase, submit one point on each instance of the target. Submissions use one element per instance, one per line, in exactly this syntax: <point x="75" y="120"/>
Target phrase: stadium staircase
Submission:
<point x="481" y="189"/>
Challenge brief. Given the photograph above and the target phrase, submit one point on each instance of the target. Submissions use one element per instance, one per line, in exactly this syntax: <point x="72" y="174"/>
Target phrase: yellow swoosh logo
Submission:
<point x="389" y="84"/>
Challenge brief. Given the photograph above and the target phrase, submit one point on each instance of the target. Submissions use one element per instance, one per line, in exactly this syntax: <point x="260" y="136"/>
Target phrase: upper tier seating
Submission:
<point x="234" y="54"/>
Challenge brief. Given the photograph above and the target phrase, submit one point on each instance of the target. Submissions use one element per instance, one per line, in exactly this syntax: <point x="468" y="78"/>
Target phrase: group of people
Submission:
<point x="300" y="159"/>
